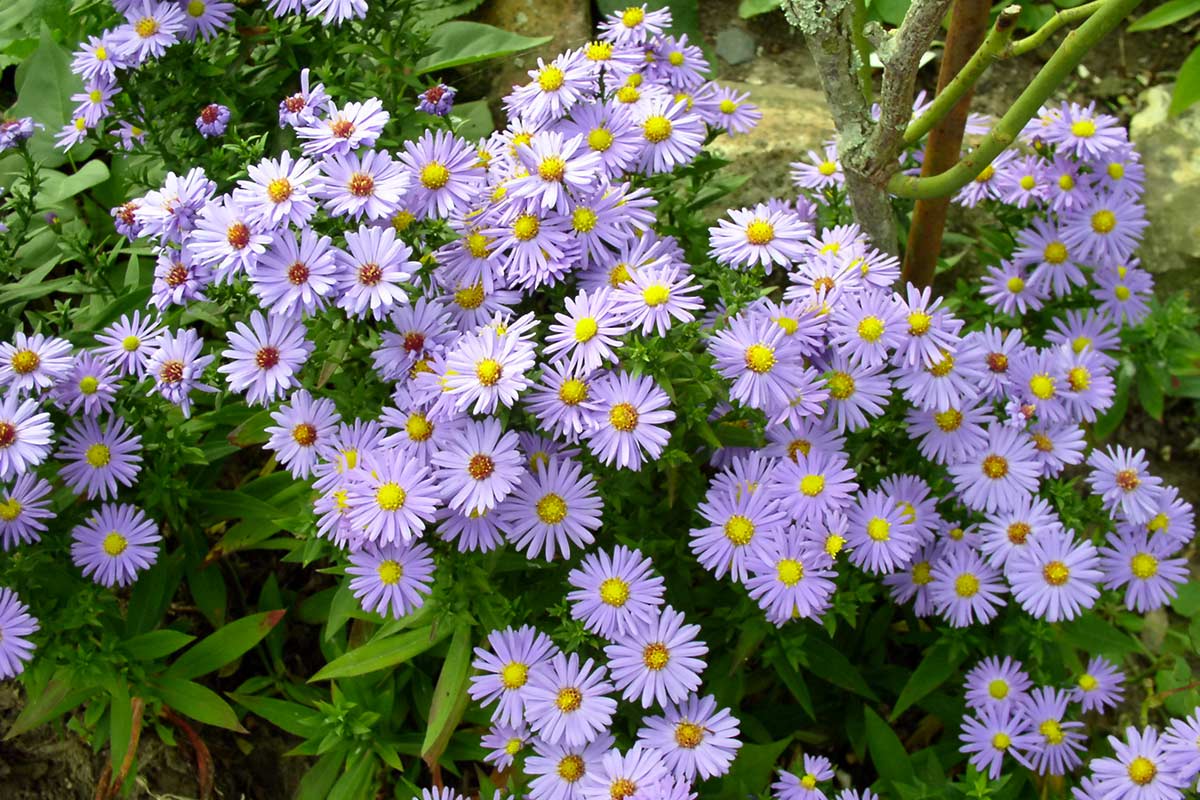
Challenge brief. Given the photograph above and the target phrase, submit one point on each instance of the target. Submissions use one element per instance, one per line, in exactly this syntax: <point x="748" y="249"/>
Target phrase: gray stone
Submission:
<point x="736" y="46"/>
<point x="1170" y="150"/>
<point x="795" y="120"/>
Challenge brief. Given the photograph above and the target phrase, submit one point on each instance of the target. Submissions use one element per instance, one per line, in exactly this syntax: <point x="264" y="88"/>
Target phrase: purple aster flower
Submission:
<point x="391" y="579"/>
<point x="1181" y="741"/>
<point x="504" y="743"/>
<point x="437" y="100"/>
<point x="672" y="136"/>
<point x="16" y="626"/>
<point x="95" y="101"/>
<point x="605" y="217"/>
<point x="295" y="277"/>
<point x="932" y="330"/>
<point x="206" y="18"/>
<point x="25" y="432"/>
<point x="1089" y="388"/>
<point x="1119" y="171"/>
<point x="227" y="240"/>
<point x="658" y="661"/>
<point x="444" y="173"/>
<point x="1058" y="446"/>
<point x="999" y="475"/>
<point x="1122" y="478"/>
<point x="336" y="12"/>
<point x="1106" y="230"/>
<point x="22" y="509"/>
<point x="731" y="112"/>
<point x="856" y="392"/>
<point x="741" y="524"/>
<point x="813" y="483"/>
<point x="343" y="130"/>
<point x="680" y="65"/>
<point x="1124" y="293"/>
<point x="128" y="343"/>
<point x="392" y="498"/>
<point x="150" y="28"/>
<point x="125" y="219"/>
<point x="1100" y="686"/>
<point x="628" y="418"/>
<point x="1023" y="182"/>
<point x="985" y="186"/>
<point x="914" y="583"/>
<point x="97" y="460"/>
<point x="557" y="168"/>
<point x="369" y="185"/>
<point x="277" y="192"/>
<point x="265" y="357"/>
<point x="694" y="738"/>
<point x="1056" y="577"/>
<point x="626" y="776"/>
<point x="303" y="432"/>
<point x="1058" y="742"/>
<point x="1175" y="519"/>
<point x="790" y="578"/>
<point x="817" y="769"/>
<point x="1144" y="567"/>
<point x="1042" y="247"/>
<point x="1007" y="534"/>
<point x="534" y="245"/>
<point x="653" y="297"/>
<point x="609" y="131"/>
<point x="554" y="507"/>
<point x="947" y="384"/>
<point x="178" y="279"/>
<point x="115" y="544"/>
<point x="950" y="435"/>
<point x="33" y="363"/>
<point x="996" y="732"/>
<point x="615" y="593"/>
<point x="1138" y="769"/>
<point x="966" y="589"/>
<point x="170" y="212"/>
<point x="488" y="370"/>
<point x="880" y="535"/>
<point x="764" y="363"/>
<point x="634" y="24"/>
<point x="98" y="57"/>
<point x="866" y="327"/>
<point x="506" y="668"/>
<point x="480" y="467"/>
<point x="301" y="109"/>
<point x="1081" y="132"/>
<point x="821" y="171"/>
<point x="374" y="273"/>
<point x="212" y="120"/>
<point x="1010" y="290"/>
<point x="558" y="770"/>
<point x="568" y="702"/>
<point x="995" y="684"/>
<point x="554" y="89"/>
<point x="586" y="335"/>
<point x="177" y="368"/>
<point x="759" y="235"/>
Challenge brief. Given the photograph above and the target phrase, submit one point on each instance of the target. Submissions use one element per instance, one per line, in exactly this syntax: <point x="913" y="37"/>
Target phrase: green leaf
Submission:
<point x="473" y="120"/>
<point x="449" y="696"/>
<point x="356" y="782"/>
<point x="1150" y="394"/>
<point x="292" y="717"/>
<point x="828" y="663"/>
<point x="1187" y="83"/>
<point x="753" y="768"/>
<point x="45" y="84"/>
<point x="199" y="703"/>
<point x="59" y="187"/>
<point x="455" y="43"/>
<point x="380" y="654"/>
<point x="1187" y="602"/>
<point x="938" y="665"/>
<point x="752" y="8"/>
<point x="319" y="780"/>
<point x="59" y="697"/>
<point x="1164" y="15"/>
<point x="1107" y="422"/>
<point x="156" y="644"/>
<point x="430" y="14"/>
<point x="225" y="645"/>
<point x="152" y="594"/>
<point x="216" y="505"/>
<point x="792" y="679"/>
<point x="1093" y="635"/>
<point x="887" y="752"/>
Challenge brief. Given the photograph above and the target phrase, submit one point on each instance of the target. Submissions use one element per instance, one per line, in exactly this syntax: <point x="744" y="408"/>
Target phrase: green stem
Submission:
<point x="863" y="48"/>
<point x="1072" y="50"/>
<point x="997" y="39"/>
<point x="1068" y="16"/>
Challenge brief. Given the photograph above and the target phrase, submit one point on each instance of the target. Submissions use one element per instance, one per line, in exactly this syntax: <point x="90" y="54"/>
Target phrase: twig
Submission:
<point x="966" y="78"/>
<point x="1072" y="50"/>
<point x="1068" y="16"/>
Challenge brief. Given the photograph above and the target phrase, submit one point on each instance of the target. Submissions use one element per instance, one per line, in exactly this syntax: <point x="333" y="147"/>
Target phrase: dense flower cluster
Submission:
<point x="498" y="418"/>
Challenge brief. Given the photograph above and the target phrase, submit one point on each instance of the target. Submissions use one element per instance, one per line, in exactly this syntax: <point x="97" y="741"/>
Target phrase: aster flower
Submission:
<point x="265" y="357"/>
<point x="763" y="362"/>
<point x="1056" y="577"/>
<point x="1023" y="182"/>
<point x="335" y="12"/>
<point x="821" y="171"/>
<point x="33" y="363"/>
<point x="149" y="30"/>
<point x="695" y="738"/>
<point x="672" y="136"/>
<point x="880" y="534"/>
<point x="392" y="498"/>
<point x="586" y="334"/>
<point x="625" y="776"/>
<point x="488" y="370"/>
<point x="1144" y="567"/>
<point x="790" y="579"/>
<point x="535" y="246"/>
<point x="1106" y="230"/>
<point x="634" y="24"/>
<point x="343" y="130"/>
<point x="25" y="432"/>
<point x="932" y="330"/>
<point x="741" y="524"/>
<point x="950" y="435"/>
<point x="999" y="475"/>
<point x="443" y="174"/>
<point x="610" y="131"/>
<point x="115" y="544"/>
<point x="1122" y="478"/>
<point x="128" y="343"/>
<point x="205" y="18"/>
<point x="731" y="112"/>
<point x="369" y="185"/>
<point x="947" y="384"/>
<point x="23" y="506"/>
<point x="558" y="770"/>
<point x="615" y="593"/>
<point x="1006" y="534"/>
<point x="1008" y="289"/>
<point x="567" y="702"/>
<point x="1138" y="768"/>
<point x="1124" y="293"/>
<point x="997" y="731"/>
<point x="759" y="235"/>
<point x="437" y="100"/>
<point x="1181" y="741"/>
<point x="995" y="684"/>
<point x="301" y="109"/>
<point x="813" y="483"/>
<point x="177" y="367"/>
<point x="1100" y="686"/>
<point x="866" y="327"/>
<point x="505" y="670"/>
<point x="303" y="432"/>
<point x="1041" y="246"/>
<point x="1081" y="132"/>
<point x="170" y="212"/>
<point x="914" y="583"/>
<point x="178" y="279"/>
<point x="212" y="120"/>
<point x="391" y="579"/>
<point x="480" y="467"/>
<point x="1175" y="519"/>
<point x="95" y="101"/>
<point x="554" y="89"/>
<point x="628" y="418"/>
<point x="856" y="392"/>
<point x="277" y="192"/>
<point x="653" y="297"/>
<point x="98" y="57"/>
<point x="1058" y="741"/>
<point x="98" y="460"/>
<point x="660" y="660"/>
<point x="374" y="272"/>
<point x="295" y="277"/>
<point x="966" y="589"/>
<point x="16" y="626"/>
<point x="555" y="506"/>
<point x="227" y="240"/>
<point x="557" y="168"/>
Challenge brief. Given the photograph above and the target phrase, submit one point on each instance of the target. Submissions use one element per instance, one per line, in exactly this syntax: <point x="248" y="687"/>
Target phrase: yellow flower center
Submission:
<point x="114" y="544"/>
<point x="966" y="585"/>
<point x="1142" y="770"/>
<point x="675" y="59"/>
<point x="688" y="735"/>
<point x="88" y="385"/>
<point x="390" y="496"/>
<point x="551" y="79"/>
<point x="569" y="699"/>
<point x="146" y="27"/>
<point x="728" y="106"/>
<point x="623" y="417"/>
<point x="789" y="571"/>
<point x="879" y="529"/>
<point x="1159" y="522"/>
<point x="585" y="329"/>
<point x="812" y="485"/>
<point x="552" y="169"/>
<point x="1083" y="128"/>
<point x="417" y="427"/>
<point x="480" y="466"/>
<point x="514" y="675"/>
<point x="918" y="323"/>
<point x="196" y="8"/>
<point x="739" y="530"/>
<point x="1079" y="379"/>
<point x="943" y="367"/>
<point x="1127" y="480"/>
<point x="998" y="689"/>
<point x="584" y="220"/>
<point x="949" y="420"/>
<point x="995" y="467"/>
<point x="655" y="295"/>
<point x="101" y="53"/>
<point x="98" y="455"/>
<point x="600" y="139"/>
<point x="833" y="544"/>
<point x="632" y="16"/>
<point x="870" y="328"/>
<point x="1001" y="740"/>
<point x="1122" y="292"/>
<point x="614" y="592"/>
<point x="1088" y="682"/>
<point x="599" y="51"/>
<point x="759" y="358"/>
<point x="10" y="509"/>
<point x="1143" y="566"/>
<point x="788" y="324"/>
<point x="841" y="385"/>
<point x="760" y="232"/>
<point x="1066" y="183"/>
<point x="1104" y="221"/>
<point x="656" y="129"/>
<point x="1116" y="170"/>
<point x="621" y="788"/>
<point x="571" y="768"/>
<point x="1056" y="573"/>
<point x="573" y="391"/>
<point x="922" y="573"/>
<point x="985" y="174"/>
<point x="513" y="746"/>
<point x="279" y="189"/>
<point x="1028" y="182"/>
<point x="1052" y="731"/>
<point x="827" y="168"/>
<point x="390" y="572"/>
<point x="1055" y="253"/>
<point x="628" y="95"/>
<point x="434" y="175"/>
<point x="1018" y="532"/>
<point x="130" y="343"/>
<point x="809" y="781"/>
<point x="25" y="361"/>
<point x="551" y="509"/>
<point x="470" y="297"/>
<point x="525" y="227"/>
<point x="477" y="245"/>
<point x="656" y="656"/>
<point x="1016" y="284"/>
<point x="618" y="275"/>
<point x="489" y="371"/>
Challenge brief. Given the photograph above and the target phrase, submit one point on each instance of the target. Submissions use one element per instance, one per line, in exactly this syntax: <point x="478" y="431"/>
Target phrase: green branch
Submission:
<point x="1072" y="50"/>
<point x="1068" y="16"/>
<point x="997" y="39"/>
<point x="863" y="48"/>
